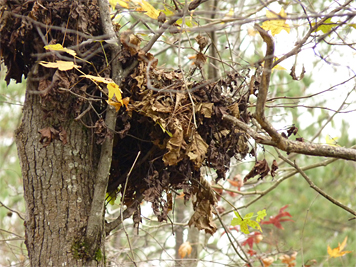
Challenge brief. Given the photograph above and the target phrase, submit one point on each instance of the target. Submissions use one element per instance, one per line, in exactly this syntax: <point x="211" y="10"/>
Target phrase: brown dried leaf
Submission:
<point x="234" y="109"/>
<point x="274" y="167"/>
<point x="204" y="207"/>
<point x="206" y="109"/>
<point x="292" y="130"/>
<point x="203" y="217"/>
<point x="197" y="150"/>
<point x="294" y="76"/>
<point x="174" y="145"/>
<point x="261" y="168"/>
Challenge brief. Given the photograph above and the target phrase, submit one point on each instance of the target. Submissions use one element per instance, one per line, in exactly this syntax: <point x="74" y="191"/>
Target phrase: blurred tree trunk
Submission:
<point x="58" y="183"/>
<point x="193" y="238"/>
<point x="179" y="212"/>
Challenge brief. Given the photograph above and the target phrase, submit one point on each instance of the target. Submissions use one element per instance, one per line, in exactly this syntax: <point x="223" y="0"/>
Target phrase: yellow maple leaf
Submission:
<point x="147" y="8"/>
<point x="276" y="25"/>
<point x="114" y="89"/>
<point x="59" y="64"/>
<point x="59" y="47"/>
<point x="122" y="3"/>
<point x="337" y="252"/>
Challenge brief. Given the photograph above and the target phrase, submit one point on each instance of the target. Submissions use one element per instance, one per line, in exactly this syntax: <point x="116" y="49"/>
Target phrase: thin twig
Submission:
<point x="312" y="185"/>
<point x="122" y="203"/>
<point x="14" y="211"/>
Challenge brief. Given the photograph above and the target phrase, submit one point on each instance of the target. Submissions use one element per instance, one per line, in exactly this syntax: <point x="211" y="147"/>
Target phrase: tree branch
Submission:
<point x="317" y="189"/>
<point x="96" y="217"/>
<point x="295" y="146"/>
<point x="263" y="89"/>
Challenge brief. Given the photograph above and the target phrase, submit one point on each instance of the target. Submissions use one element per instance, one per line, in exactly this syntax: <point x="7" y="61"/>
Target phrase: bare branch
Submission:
<point x="317" y="189"/>
<point x="295" y="146"/>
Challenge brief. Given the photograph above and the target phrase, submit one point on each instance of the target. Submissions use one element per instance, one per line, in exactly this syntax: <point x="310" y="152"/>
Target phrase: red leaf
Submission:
<point x="256" y="237"/>
<point x="276" y="220"/>
<point x="251" y="252"/>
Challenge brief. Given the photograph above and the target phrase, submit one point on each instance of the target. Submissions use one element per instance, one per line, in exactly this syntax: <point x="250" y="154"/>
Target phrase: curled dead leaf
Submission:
<point x="261" y="168"/>
<point x="274" y="167"/>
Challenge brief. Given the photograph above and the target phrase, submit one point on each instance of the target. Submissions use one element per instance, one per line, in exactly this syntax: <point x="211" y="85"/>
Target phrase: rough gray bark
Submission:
<point x="58" y="186"/>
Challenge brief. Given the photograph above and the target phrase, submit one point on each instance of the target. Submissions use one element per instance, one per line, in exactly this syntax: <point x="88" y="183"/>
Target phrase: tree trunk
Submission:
<point x="58" y="184"/>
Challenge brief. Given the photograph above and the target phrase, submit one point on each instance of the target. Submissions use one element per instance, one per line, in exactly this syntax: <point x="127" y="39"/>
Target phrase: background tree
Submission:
<point x="155" y="135"/>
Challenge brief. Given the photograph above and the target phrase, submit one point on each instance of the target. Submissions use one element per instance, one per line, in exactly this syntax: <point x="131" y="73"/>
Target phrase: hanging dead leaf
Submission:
<point x="197" y="150"/>
<point x="261" y="168"/>
<point x="204" y="207"/>
<point x="203" y="217"/>
<point x="185" y="249"/>
<point x="274" y="167"/>
<point x="294" y="76"/>
<point x="292" y="130"/>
